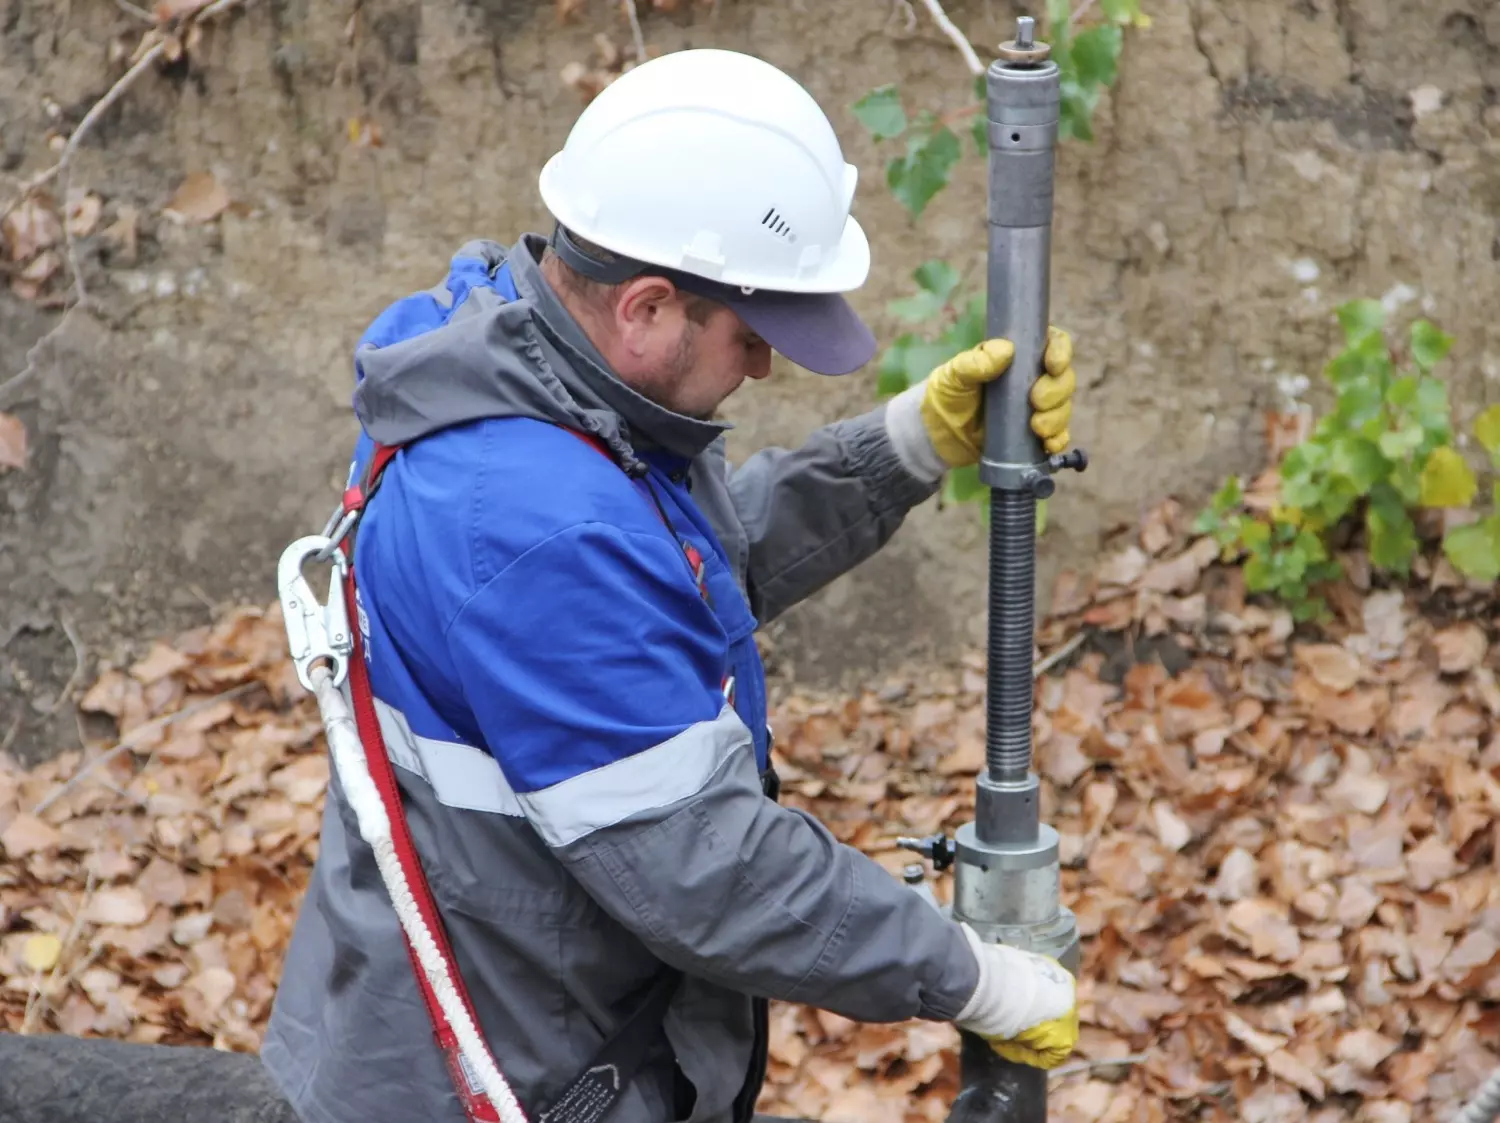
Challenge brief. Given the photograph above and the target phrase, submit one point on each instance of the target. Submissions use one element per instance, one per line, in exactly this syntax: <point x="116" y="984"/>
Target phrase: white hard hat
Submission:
<point x="718" y="164"/>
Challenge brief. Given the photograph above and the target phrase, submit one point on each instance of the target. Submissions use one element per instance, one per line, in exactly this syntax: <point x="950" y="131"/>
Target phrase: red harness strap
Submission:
<point x="477" y="1106"/>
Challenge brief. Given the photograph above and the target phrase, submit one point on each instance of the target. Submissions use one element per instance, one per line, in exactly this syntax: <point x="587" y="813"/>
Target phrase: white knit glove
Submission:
<point x="1025" y="1006"/>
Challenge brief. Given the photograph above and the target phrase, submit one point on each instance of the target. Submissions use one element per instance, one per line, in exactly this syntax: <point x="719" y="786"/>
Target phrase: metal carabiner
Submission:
<point x="314" y="631"/>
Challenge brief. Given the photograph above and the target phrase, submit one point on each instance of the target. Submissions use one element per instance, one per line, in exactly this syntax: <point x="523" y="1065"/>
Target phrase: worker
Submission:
<point x="559" y="579"/>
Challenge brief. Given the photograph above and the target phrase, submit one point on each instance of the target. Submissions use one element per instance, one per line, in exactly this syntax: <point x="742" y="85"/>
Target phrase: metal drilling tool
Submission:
<point x="1006" y="866"/>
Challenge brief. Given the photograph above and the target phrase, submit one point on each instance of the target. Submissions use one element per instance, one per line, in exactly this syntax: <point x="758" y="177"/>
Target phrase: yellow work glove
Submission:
<point x="953" y="399"/>
<point x="1025" y="1005"/>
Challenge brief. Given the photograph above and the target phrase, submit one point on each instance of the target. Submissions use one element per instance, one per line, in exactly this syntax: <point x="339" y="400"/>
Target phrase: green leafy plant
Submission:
<point x="959" y="326"/>
<point x="942" y="322"/>
<point x="1384" y="451"/>
<point x="1474" y="548"/>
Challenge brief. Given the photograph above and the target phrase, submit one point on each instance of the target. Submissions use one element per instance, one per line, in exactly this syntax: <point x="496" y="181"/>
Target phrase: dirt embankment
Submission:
<point x="1257" y="163"/>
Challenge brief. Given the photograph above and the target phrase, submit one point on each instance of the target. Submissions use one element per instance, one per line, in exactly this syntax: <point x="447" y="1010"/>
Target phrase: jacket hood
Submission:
<point x="462" y="352"/>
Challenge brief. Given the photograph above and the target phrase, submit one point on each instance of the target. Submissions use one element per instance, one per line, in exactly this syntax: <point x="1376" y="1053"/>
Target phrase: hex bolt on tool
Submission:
<point x="1006" y="867"/>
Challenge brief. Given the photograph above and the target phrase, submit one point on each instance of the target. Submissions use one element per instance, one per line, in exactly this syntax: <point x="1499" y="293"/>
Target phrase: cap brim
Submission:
<point x="819" y="331"/>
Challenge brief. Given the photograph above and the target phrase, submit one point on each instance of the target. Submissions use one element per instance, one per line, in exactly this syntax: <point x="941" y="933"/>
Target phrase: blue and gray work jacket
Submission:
<point x="580" y="733"/>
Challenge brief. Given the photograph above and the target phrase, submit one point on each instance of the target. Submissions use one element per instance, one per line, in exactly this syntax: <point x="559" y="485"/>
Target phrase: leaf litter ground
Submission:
<point x="1281" y="849"/>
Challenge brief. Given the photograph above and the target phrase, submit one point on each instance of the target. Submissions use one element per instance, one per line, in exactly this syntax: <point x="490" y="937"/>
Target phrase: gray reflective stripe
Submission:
<point x="461" y="775"/>
<point x="661" y="775"/>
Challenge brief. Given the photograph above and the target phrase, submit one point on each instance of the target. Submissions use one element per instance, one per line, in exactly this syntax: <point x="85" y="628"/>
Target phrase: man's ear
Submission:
<point x="641" y="304"/>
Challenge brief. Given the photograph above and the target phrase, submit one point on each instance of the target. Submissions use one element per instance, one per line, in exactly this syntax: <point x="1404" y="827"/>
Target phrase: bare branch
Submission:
<point x="131" y="739"/>
<point x="133" y="10"/>
<point x="960" y="40"/>
<point x="80" y="658"/>
<point x="1103" y="1062"/>
<point x="1042" y="666"/>
<point x="62" y="172"/>
<point x="635" y="29"/>
<point x="1078" y="15"/>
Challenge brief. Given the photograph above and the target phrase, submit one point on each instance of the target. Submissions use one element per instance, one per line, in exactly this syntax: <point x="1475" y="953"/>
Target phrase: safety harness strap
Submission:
<point x="590" y="1095"/>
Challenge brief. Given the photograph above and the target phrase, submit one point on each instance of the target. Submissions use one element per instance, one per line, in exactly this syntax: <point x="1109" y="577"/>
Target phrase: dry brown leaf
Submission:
<point x="12" y="442"/>
<point x="199" y="198"/>
<point x="1364" y="792"/>
<point x="1331" y="666"/>
<point x="31" y="227"/>
<point x="1264" y="926"/>
<point x="1296" y="1072"/>
<point x="158" y="663"/>
<point x="124" y="905"/>
<point x="1180" y="574"/>
<point x="1365" y="1049"/>
<point x="26" y="834"/>
<point x="1123" y="568"/>
<point x="83" y="212"/>
<point x="1460" y="647"/>
<point x="1170" y="828"/>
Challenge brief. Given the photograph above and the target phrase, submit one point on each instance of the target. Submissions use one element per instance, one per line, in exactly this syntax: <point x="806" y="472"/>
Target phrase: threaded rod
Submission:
<point x="1012" y="627"/>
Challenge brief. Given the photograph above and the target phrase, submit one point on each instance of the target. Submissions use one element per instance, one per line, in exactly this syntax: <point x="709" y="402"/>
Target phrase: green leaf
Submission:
<point x="1255" y="534"/>
<point x="1359" y="461"/>
<point x="1059" y="12"/>
<point x="919" y="175"/>
<point x="892" y="377"/>
<point x="968" y="330"/>
<point x="1368" y="359"/>
<point x="1447" y="480"/>
<point x="937" y="277"/>
<point x="1430" y="407"/>
<point x="1393" y="538"/>
<point x="1075" y="111"/>
<point x="916" y="308"/>
<point x="1487" y="431"/>
<point x="980" y="131"/>
<point x="1125" y="11"/>
<point x="1474" y="550"/>
<point x="1359" y="403"/>
<point x="963" y="484"/>
<point x="1258" y="577"/>
<point x="1361" y="319"/>
<point x="881" y="112"/>
<point x="1096" y="53"/>
<point x="1401" y="442"/>
<point x="1428" y="344"/>
<point x="908" y="361"/>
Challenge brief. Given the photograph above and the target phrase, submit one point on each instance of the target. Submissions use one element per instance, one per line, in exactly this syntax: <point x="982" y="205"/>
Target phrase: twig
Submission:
<point x="635" y="29"/>
<point x="1078" y="15"/>
<point x="62" y="172"/>
<point x="960" y="41"/>
<point x="80" y="657"/>
<point x="132" y="10"/>
<point x="10" y="735"/>
<point x="1042" y="666"/>
<point x="130" y="739"/>
<point x="31" y="354"/>
<point x="67" y="940"/>
<point x="1103" y="1062"/>
<point x="907" y="13"/>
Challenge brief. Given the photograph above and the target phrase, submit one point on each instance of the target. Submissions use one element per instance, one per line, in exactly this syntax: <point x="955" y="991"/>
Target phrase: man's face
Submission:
<point x="684" y="353"/>
<point x="714" y="353"/>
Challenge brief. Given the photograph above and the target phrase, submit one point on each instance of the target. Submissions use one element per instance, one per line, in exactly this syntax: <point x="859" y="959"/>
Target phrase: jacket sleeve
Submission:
<point x="594" y="669"/>
<point x="815" y="512"/>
